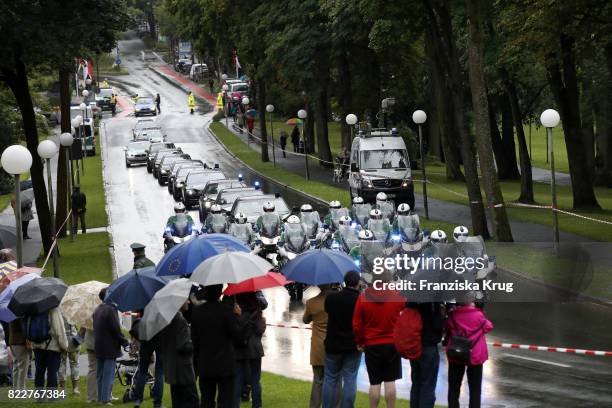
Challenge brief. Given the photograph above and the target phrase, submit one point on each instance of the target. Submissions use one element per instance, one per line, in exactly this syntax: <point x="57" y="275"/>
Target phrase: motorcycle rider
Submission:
<point x="360" y="211"/>
<point x="310" y="219"/>
<point x="241" y="229"/>
<point x="295" y="241"/>
<point x="269" y="222"/>
<point x="385" y="205"/>
<point x="180" y="224"/>
<point x="216" y="220"/>
<point x="407" y="224"/>
<point x="346" y="236"/>
<point x="460" y="233"/>
<point x="379" y="225"/>
<point x="336" y="211"/>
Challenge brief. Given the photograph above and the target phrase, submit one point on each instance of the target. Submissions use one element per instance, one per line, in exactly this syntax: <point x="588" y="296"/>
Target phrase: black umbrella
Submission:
<point x="37" y="297"/>
<point x="8" y="236"/>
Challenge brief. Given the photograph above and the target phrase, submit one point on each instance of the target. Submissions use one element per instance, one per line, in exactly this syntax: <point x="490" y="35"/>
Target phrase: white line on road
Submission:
<point x="537" y="360"/>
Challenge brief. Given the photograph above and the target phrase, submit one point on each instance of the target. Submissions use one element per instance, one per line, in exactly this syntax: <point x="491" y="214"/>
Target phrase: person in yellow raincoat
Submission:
<point x="220" y="101"/>
<point x="191" y="102"/>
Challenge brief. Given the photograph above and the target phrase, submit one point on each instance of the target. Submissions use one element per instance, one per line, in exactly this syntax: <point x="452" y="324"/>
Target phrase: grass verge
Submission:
<point x="278" y="392"/>
<point x="86" y="258"/>
<point x="92" y="185"/>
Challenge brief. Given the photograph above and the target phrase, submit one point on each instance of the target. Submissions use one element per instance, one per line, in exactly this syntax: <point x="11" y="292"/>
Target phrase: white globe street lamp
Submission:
<point x="17" y="160"/>
<point x="245" y="100"/>
<point x="85" y="92"/>
<point x="225" y="88"/>
<point x="224" y="77"/>
<point x="550" y="118"/>
<point x="270" y="109"/>
<point x="419" y="117"/>
<point x="351" y="119"/>
<point x="88" y="81"/>
<point x="66" y="141"/>
<point x="302" y="115"/>
<point x="46" y="150"/>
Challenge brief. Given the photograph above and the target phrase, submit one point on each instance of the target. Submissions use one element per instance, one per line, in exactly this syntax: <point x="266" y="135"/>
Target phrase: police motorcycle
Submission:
<point x="179" y="228"/>
<point x="406" y="231"/>
<point x="268" y="230"/>
<point x="336" y="211"/>
<point x="310" y="220"/>
<point x="365" y="252"/>
<point x="216" y="221"/>
<point x="346" y="236"/>
<point x="385" y="205"/>
<point x="379" y="225"/>
<point x="294" y="241"/>
<point x="360" y="212"/>
<point x="242" y="230"/>
<point x="474" y="247"/>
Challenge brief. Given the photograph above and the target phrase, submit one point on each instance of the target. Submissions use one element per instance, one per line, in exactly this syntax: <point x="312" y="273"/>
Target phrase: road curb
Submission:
<point x="268" y="178"/>
<point x="103" y="155"/>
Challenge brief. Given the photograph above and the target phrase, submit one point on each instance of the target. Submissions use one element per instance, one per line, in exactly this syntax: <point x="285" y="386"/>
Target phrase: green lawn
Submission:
<point x="538" y="148"/>
<point x="86" y="258"/>
<point x="277" y="391"/>
<point x="93" y="186"/>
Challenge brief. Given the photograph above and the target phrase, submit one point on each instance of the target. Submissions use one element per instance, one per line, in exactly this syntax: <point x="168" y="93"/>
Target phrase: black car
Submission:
<point x="252" y="206"/>
<point x="179" y="175"/>
<point x="153" y="149"/>
<point x="195" y="183"/>
<point x="145" y="106"/>
<point x="164" y="166"/>
<point x="226" y="197"/>
<point x="209" y="193"/>
<point x="162" y="155"/>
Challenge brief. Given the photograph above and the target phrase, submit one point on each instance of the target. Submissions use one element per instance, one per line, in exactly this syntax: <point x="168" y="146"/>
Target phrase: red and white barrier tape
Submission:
<point x="55" y="238"/>
<point x="497" y="344"/>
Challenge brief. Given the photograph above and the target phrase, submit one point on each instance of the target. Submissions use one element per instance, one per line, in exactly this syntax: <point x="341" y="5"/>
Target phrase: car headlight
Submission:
<point x="164" y="171"/>
<point x="191" y="192"/>
<point x="137" y="108"/>
<point x="405" y="183"/>
<point x="180" y="184"/>
<point x="207" y="204"/>
<point x="366" y="182"/>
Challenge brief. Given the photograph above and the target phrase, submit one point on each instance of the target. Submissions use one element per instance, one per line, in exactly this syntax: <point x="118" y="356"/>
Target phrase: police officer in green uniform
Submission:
<point x="140" y="260"/>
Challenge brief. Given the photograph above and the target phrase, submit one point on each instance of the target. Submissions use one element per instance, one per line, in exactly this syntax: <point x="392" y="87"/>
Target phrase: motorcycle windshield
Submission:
<point x="336" y="214"/>
<point x="362" y="213"/>
<point x="270" y="225"/>
<point x="311" y="221"/>
<point x="350" y="236"/>
<point x="241" y="231"/>
<point x="409" y="226"/>
<point x="181" y="226"/>
<point x="472" y="247"/>
<point x="218" y="222"/>
<point x="379" y="228"/>
<point x="386" y="208"/>
<point x="295" y="236"/>
<point x="371" y="250"/>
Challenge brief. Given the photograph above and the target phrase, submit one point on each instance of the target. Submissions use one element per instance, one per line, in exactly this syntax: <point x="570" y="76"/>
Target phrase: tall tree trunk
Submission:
<point x="565" y="90"/>
<point x="604" y="124"/>
<point x="261" y="102"/>
<point x="345" y="94"/>
<point x="525" y="162"/>
<point x="588" y="123"/>
<point x="496" y="143"/>
<point x="509" y="149"/>
<point x="444" y="42"/>
<point x="320" y="111"/>
<point x="17" y="80"/>
<point x="62" y="175"/>
<point x="482" y="124"/>
<point x="309" y="129"/>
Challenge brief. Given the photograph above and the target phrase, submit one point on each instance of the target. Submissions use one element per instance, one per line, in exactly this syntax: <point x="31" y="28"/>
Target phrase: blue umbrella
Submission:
<point x="319" y="267"/>
<point x="6" y="315"/>
<point x="134" y="290"/>
<point x="185" y="257"/>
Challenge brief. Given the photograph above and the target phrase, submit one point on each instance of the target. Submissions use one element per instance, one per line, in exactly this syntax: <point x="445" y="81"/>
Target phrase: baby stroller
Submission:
<point x="340" y="172"/>
<point x="127" y="367"/>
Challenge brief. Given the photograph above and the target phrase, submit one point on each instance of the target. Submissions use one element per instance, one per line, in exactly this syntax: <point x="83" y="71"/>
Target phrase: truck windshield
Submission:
<point x="384" y="159"/>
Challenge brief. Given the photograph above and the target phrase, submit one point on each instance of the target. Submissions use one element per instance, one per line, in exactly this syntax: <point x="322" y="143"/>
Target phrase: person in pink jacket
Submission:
<point x="468" y="321"/>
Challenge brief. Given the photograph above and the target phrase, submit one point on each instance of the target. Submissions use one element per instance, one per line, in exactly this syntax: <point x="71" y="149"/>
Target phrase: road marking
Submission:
<point x="537" y="360"/>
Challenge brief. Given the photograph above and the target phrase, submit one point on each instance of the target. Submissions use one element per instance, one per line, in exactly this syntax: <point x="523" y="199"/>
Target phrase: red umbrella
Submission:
<point x="11" y="276"/>
<point x="269" y="280"/>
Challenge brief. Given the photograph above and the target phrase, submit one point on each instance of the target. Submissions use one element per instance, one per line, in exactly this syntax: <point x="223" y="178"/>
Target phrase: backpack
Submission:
<point x="407" y="334"/>
<point x="460" y="346"/>
<point x="37" y="328"/>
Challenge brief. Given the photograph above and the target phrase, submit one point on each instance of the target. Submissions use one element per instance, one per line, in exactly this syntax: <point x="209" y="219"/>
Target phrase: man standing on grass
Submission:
<point x="79" y="202"/>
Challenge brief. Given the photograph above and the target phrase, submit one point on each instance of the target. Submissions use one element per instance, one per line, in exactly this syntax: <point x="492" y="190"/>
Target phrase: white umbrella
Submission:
<point x="163" y="307"/>
<point x="230" y="267"/>
<point x="80" y="301"/>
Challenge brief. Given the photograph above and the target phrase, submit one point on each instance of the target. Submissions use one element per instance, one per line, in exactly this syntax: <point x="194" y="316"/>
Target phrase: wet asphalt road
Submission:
<point x="138" y="209"/>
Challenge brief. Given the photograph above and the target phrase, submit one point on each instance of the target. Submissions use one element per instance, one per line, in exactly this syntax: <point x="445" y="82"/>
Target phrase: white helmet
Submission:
<point x="268" y="206"/>
<point x="403" y="209"/>
<point x="358" y="200"/>
<point x="381" y="197"/>
<point x="306" y="208"/>
<point x="345" y="220"/>
<point x="293" y="219"/>
<point x="438" y="237"/>
<point x="376" y="214"/>
<point x="216" y="209"/>
<point x="366" y="235"/>
<point x="241" y="218"/>
<point x="460" y="233"/>
<point x="335" y="204"/>
<point x="179" y="208"/>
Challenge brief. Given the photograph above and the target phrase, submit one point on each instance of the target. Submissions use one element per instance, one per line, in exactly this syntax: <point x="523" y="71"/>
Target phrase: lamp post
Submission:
<point x="419" y="117"/>
<point x="46" y="150"/>
<point x="245" y="101"/>
<point x="66" y="142"/>
<point x="17" y="160"/>
<point x="85" y="92"/>
<point x="550" y="119"/>
<point x="302" y="115"/>
<point x="270" y="109"/>
<point x="225" y="99"/>
<point x="83" y="107"/>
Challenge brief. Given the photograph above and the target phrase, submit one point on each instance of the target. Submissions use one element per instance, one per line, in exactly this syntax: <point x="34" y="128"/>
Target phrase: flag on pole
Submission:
<point x="87" y="70"/>
<point x="238" y="66"/>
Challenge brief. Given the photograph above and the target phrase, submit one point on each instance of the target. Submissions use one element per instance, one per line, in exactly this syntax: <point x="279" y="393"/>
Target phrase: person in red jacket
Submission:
<point x="373" y="322"/>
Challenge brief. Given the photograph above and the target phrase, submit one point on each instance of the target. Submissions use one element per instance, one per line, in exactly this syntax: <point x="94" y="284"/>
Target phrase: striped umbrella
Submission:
<point x="295" y="122"/>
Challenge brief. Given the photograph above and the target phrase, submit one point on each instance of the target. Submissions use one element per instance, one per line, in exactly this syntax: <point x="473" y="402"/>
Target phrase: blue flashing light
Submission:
<point x="240" y="177"/>
<point x="168" y="230"/>
<point x="335" y="245"/>
<point x="396" y="237"/>
<point x="257" y="185"/>
<point x="358" y="263"/>
<point x="353" y="224"/>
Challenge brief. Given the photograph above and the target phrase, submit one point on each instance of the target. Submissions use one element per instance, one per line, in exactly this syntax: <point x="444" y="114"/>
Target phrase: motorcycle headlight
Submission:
<point x="358" y="263"/>
<point x="335" y="245"/>
<point x="176" y="240"/>
<point x="168" y="230"/>
<point x="164" y="171"/>
<point x="207" y="204"/>
<point x="396" y="237"/>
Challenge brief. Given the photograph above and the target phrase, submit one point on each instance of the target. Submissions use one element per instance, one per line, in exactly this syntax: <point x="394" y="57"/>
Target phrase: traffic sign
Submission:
<point x="118" y="61"/>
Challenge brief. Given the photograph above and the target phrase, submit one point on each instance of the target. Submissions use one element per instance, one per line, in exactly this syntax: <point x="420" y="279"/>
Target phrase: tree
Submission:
<point x="482" y="123"/>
